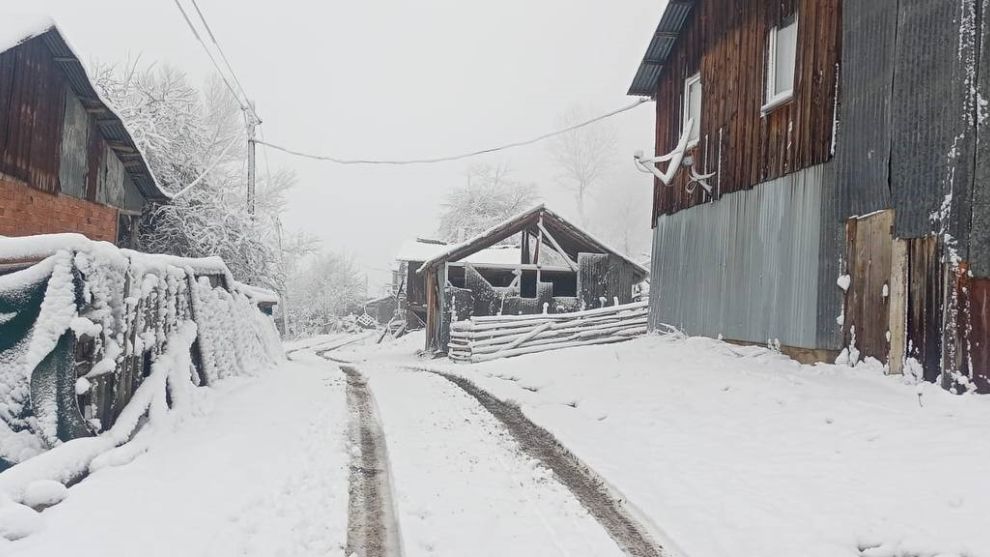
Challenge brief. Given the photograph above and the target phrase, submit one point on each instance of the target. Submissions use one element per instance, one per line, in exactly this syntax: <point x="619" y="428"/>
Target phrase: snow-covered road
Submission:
<point x="462" y="485"/>
<point x="262" y="468"/>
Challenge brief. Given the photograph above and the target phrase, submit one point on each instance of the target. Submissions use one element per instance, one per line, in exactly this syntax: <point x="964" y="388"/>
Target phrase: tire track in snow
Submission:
<point x="372" y="529"/>
<point x="583" y="483"/>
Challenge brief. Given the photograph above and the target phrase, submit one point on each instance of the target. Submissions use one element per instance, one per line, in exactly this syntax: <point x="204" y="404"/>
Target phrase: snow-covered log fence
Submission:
<point x="95" y="340"/>
<point x="480" y="339"/>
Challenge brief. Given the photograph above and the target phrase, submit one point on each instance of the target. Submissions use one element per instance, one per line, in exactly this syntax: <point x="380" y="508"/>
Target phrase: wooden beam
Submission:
<point x="570" y="263"/>
<point x="511" y="266"/>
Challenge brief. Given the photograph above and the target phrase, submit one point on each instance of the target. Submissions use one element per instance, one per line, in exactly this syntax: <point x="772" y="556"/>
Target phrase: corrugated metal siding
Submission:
<point x="111" y="189"/>
<point x="933" y="150"/>
<point x="746" y="267"/>
<point x="862" y="153"/>
<point x="979" y="240"/>
<point x="75" y="134"/>
<point x="32" y="99"/>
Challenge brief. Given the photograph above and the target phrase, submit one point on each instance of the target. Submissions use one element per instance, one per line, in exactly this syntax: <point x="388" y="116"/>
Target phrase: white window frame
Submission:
<point x="686" y="108"/>
<point x="774" y="98"/>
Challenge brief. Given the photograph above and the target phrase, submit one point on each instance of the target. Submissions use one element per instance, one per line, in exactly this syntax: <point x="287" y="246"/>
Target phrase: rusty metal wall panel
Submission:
<point x="32" y="102"/>
<point x="932" y="154"/>
<point x="746" y="267"/>
<point x="75" y="135"/>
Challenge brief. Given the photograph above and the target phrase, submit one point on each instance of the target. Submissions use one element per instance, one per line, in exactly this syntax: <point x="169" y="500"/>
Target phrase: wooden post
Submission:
<point x="898" y="293"/>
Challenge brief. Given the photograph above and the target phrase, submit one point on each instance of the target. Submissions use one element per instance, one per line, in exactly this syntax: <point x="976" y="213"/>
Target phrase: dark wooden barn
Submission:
<point x="848" y="211"/>
<point x="67" y="162"/>
<point x="560" y="268"/>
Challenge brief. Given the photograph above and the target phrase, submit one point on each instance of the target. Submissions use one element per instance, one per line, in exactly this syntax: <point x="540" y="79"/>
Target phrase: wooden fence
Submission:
<point x="480" y="339"/>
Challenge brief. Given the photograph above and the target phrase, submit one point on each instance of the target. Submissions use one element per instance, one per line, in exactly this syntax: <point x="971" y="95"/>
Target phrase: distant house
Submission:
<point x="558" y="267"/>
<point x="67" y="162"/>
<point x="831" y="193"/>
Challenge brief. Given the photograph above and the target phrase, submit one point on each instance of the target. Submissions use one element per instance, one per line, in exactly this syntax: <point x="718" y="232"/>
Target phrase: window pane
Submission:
<point x="786" y="58"/>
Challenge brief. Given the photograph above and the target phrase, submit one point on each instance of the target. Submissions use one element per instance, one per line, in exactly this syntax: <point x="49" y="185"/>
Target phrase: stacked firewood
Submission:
<point x="479" y="339"/>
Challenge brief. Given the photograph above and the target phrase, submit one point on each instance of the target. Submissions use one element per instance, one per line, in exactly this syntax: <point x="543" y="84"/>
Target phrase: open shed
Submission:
<point x="560" y="268"/>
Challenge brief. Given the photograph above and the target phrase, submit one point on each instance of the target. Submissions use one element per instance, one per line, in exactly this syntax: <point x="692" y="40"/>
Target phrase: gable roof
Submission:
<point x="671" y="23"/>
<point x="571" y="238"/>
<point x="18" y="29"/>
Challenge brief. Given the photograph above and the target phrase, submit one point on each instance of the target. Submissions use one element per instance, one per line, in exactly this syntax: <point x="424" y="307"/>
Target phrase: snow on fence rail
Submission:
<point x="480" y="339"/>
<point x="95" y="340"/>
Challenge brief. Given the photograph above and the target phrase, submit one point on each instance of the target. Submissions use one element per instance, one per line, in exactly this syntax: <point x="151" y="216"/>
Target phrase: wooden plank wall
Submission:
<point x="726" y="41"/>
<point x="32" y="102"/>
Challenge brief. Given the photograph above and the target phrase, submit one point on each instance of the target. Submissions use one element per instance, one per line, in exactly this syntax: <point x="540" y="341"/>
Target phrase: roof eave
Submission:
<point x="672" y="22"/>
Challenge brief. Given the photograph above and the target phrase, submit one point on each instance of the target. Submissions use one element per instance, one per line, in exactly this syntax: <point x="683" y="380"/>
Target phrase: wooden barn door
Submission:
<point x="866" y="321"/>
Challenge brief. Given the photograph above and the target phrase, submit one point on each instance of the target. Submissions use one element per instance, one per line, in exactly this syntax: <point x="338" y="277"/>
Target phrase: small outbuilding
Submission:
<point x="557" y="268"/>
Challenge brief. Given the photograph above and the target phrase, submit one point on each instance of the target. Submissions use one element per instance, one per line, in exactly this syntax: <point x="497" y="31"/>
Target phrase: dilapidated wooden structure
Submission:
<point x="67" y="162"/>
<point x="560" y="269"/>
<point x="849" y="208"/>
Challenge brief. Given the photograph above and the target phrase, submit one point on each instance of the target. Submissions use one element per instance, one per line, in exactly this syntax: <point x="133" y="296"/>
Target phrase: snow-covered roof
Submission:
<point x="571" y="238"/>
<point x="415" y="250"/>
<point x="16" y="29"/>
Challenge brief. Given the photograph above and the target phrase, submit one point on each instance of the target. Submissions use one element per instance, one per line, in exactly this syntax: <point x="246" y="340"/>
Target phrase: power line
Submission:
<point x="461" y="156"/>
<point x="243" y="103"/>
<point x="208" y="169"/>
<point x="223" y="56"/>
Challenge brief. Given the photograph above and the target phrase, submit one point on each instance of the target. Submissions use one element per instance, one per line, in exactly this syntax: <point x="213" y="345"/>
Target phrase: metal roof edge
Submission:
<point x="675" y="15"/>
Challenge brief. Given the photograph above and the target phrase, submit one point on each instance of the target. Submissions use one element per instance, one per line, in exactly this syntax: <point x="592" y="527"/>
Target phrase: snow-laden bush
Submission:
<point x="85" y="329"/>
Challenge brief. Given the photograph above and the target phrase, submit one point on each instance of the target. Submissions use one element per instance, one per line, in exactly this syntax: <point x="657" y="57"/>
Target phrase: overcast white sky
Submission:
<point x="396" y="79"/>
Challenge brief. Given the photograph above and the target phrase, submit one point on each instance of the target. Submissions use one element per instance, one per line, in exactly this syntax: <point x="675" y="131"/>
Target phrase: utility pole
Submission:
<point x="252" y="121"/>
<point x="251" y="172"/>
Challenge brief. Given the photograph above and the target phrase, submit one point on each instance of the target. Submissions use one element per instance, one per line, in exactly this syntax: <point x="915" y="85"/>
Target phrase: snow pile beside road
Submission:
<point x="740" y="451"/>
<point x="102" y="346"/>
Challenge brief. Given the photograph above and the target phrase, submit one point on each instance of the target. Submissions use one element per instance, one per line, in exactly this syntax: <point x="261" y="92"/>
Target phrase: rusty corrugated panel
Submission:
<point x="32" y="101"/>
<point x="932" y="153"/>
<point x="746" y="267"/>
<point x="979" y="332"/>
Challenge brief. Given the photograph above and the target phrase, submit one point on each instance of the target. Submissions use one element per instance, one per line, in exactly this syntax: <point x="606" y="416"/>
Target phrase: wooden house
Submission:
<point x="844" y="201"/>
<point x="559" y="268"/>
<point x="67" y="162"/>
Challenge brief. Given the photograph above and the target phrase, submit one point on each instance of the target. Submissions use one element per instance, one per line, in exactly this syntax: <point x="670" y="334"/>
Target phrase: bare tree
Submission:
<point x="331" y="285"/>
<point x="182" y="131"/>
<point x="488" y="197"/>
<point x="584" y="156"/>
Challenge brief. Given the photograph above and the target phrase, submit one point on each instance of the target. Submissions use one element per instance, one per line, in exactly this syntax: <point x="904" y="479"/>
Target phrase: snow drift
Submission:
<point x="97" y="342"/>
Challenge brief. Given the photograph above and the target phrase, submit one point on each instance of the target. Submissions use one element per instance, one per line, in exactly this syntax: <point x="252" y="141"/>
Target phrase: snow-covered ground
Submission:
<point x="259" y="468"/>
<point x="462" y="487"/>
<point x="721" y="450"/>
<point x="740" y="451"/>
